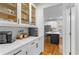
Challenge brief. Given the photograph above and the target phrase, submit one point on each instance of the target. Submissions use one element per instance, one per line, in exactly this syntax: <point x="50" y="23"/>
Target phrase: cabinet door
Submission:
<point x="18" y="51"/>
<point x="32" y="47"/>
<point x="33" y="14"/>
<point x="35" y="47"/>
<point x="26" y="49"/>
<point x="8" y="12"/>
<point x="39" y="48"/>
<point x="25" y="13"/>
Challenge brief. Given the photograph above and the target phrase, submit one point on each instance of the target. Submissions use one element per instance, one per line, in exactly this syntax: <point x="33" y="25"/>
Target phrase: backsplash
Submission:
<point x="14" y="30"/>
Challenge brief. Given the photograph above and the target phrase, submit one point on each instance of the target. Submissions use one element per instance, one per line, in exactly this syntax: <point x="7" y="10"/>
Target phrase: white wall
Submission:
<point x="40" y="17"/>
<point x="56" y="24"/>
<point x="77" y="28"/>
<point x="53" y="11"/>
<point x="53" y="24"/>
<point x="40" y="20"/>
<point x="40" y="24"/>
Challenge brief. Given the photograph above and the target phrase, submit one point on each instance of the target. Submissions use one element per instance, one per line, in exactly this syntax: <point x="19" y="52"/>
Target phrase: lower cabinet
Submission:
<point x="26" y="49"/>
<point x="32" y="48"/>
<point x="18" y="51"/>
<point x="35" y="47"/>
<point x="23" y="50"/>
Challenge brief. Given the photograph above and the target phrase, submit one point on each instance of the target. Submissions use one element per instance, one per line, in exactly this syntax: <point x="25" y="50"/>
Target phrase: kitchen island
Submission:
<point x="54" y="37"/>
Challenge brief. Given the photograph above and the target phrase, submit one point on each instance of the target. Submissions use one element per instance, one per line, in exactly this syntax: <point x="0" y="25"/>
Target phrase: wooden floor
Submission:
<point x="51" y="49"/>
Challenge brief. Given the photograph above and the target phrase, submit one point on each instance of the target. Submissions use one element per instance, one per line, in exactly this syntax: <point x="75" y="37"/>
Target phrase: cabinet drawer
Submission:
<point x="18" y="51"/>
<point x="26" y="49"/>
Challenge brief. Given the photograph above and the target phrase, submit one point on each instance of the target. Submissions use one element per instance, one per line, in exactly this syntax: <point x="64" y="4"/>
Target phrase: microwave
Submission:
<point x="6" y="37"/>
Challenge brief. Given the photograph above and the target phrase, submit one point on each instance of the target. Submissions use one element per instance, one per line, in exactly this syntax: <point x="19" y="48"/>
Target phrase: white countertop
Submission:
<point x="53" y="32"/>
<point x="5" y="48"/>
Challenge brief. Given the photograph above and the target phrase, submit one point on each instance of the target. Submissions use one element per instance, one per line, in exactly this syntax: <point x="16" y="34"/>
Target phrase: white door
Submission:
<point x="70" y="30"/>
<point x="67" y="34"/>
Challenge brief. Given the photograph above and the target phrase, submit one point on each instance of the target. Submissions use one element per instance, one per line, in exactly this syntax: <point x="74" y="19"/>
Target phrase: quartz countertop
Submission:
<point x="5" y="48"/>
<point x="50" y="32"/>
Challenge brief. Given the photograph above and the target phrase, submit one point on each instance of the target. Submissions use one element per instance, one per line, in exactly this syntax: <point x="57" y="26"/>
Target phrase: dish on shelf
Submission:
<point x="21" y="35"/>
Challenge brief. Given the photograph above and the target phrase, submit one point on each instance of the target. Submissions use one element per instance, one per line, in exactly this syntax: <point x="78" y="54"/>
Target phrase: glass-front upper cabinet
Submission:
<point x="33" y="15"/>
<point x="25" y="13"/>
<point x="8" y="12"/>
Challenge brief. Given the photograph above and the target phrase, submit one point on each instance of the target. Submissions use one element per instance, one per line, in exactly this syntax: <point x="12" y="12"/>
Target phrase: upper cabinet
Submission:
<point x="8" y="12"/>
<point x="25" y="13"/>
<point x="33" y="14"/>
<point x="19" y="14"/>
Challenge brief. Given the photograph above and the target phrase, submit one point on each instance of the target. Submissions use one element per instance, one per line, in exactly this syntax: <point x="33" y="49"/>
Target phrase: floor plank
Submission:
<point x="51" y="49"/>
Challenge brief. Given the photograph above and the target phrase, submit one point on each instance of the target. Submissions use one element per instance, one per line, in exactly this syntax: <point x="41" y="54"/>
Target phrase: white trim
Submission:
<point x="64" y="31"/>
<point x="33" y="5"/>
<point x="30" y="13"/>
<point x="19" y="13"/>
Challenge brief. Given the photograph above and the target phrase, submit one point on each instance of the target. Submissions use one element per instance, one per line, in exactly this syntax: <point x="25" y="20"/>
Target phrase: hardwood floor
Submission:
<point x="51" y="49"/>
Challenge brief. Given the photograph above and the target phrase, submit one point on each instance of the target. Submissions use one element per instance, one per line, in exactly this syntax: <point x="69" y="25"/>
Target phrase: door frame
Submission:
<point x="72" y="43"/>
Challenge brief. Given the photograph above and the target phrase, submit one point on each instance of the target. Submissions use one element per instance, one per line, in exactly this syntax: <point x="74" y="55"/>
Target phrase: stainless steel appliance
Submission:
<point x="33" y="31"/>
<point x="6" y="37"/>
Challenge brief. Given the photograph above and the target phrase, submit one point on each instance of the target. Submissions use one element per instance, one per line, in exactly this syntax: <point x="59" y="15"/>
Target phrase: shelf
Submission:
<point x="33" y="11"/>
<point x="8" y="12"/>
<point x="9" y="24"/>
<point x="12" y="6"/>
<point x="25" y="13"/>
<point x="7" y="16"/>
<point x="25" y="16"/>
<point x="33" y="17"/>
<point x="25" y="21"/>
<point x="25" y="5"/>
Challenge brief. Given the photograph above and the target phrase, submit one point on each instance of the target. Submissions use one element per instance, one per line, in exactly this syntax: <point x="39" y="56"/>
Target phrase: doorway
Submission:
<point x="53" y="44"/>
<point x="66" y="19"/>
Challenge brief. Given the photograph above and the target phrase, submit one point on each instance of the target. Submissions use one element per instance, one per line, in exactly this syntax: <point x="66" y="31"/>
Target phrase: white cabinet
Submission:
<point x="8" y="14"/>
<point x="33" y="14"/>
<point x="19" y="14"/>
<point x="31" y="48"/>
<point x="35" y="47"/>
<point x="39" y="49"/>
<point x="23" y="14"/>
<point x="23" y="50"/>
<point x="26" y="14"/>
<point x="26" y="49"/>
<point x="17" y="51"/>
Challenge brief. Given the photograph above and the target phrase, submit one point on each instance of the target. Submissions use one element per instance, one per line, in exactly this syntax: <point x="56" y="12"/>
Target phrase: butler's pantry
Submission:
<point x="39" y="28"/>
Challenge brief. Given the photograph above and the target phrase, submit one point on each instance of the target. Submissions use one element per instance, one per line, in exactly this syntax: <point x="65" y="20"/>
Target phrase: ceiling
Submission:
<point x="40" y="4"/>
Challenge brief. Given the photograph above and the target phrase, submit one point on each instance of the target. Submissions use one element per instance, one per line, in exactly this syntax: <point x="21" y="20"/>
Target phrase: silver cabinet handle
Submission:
<point x="17" y="52"/>
<point x="33" y="43"/>
<point x="36" y="45"/>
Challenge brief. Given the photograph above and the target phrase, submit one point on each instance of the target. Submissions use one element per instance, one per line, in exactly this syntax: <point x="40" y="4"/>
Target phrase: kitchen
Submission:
<point x="36" y="28"/>
<point x="19" y="30"/>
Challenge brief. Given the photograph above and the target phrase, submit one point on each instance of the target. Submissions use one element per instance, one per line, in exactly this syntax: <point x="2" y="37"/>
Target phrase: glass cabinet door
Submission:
<point x="25" y="13"/>
<point x="8" y="12"/>
<point x="33" y="15"/>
